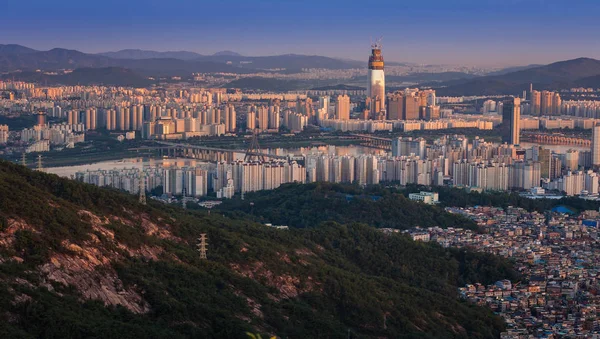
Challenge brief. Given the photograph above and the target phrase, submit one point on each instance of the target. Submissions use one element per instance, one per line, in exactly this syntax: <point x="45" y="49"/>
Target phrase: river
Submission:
<point x="138" y="162"/>
<point x="68" y="171"/>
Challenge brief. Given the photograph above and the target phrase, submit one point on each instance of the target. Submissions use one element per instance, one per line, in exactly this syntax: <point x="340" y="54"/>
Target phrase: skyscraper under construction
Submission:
<point x="376" y="80"/>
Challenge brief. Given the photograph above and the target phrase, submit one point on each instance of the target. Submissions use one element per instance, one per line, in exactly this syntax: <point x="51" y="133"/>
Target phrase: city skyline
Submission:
<point x="464" y="32"/>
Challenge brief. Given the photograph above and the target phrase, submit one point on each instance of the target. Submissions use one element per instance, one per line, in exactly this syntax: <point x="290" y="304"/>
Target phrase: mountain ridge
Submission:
<point x="164" y="63"/>
<point x="149" y="54"/>
<point x="102" y="265"/>
<point x="557" y="75"/>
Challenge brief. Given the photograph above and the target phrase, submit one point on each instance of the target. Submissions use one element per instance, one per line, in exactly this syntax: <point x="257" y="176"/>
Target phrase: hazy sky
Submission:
<point x="480" y="32"/>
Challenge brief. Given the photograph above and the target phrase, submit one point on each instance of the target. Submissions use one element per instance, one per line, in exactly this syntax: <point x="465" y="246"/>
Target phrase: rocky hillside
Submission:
<point x="79" y="261"/>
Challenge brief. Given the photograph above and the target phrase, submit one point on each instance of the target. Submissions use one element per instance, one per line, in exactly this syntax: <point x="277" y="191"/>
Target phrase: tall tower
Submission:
<point x="511" y="116"/>
<point x="376" y="79"/>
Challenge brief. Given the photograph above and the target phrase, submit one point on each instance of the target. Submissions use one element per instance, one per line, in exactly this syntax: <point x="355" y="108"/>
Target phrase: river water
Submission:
<point x="68" y="171"/>
<point x="555" y="148"/>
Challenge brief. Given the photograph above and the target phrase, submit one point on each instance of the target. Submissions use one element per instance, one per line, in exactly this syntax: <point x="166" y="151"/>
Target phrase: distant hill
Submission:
<point x="15" y="49"/>
<point x="553" y="76"/>
<point x="109" y="76"/>
<point x="513" y="69"/>
<point x="143" y="54"/>
<point x="591" y="81"/>
<point x="227" y="53"/>
<point x="80" y="261"/>
<point x="57" y="58"/>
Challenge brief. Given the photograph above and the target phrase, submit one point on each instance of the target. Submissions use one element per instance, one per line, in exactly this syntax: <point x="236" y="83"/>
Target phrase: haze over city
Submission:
<point x="466" y="32"/>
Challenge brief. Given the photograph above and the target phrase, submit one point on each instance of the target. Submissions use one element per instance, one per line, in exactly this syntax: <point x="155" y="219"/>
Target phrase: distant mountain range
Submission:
<point x="21" y="62"/>
<point x="20" y="58"/>
<point x="285" y="61"/>
<point x="144" y="54"/>
<point x="581" y="72"/>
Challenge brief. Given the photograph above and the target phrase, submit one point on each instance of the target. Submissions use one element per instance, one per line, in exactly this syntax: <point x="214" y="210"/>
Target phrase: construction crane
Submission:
<point x="377" y="44"/>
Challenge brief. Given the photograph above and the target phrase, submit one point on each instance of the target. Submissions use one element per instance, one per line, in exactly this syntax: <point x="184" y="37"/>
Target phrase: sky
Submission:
<point x="458" y="32"/>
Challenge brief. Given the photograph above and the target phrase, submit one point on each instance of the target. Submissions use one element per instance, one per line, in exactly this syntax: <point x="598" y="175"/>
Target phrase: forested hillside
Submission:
<point x="80" y="261"/>
<point x="308" y="205"/>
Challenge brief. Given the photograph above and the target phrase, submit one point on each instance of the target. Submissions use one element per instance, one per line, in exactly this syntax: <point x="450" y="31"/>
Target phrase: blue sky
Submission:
<point x="485" y="32"/>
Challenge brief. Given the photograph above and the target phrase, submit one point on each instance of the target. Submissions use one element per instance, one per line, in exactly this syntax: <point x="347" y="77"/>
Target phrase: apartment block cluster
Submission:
<point x="402" y="106"/>
<point x="176" y="112"/>
<point x="225" y="179"/>
<point x="556" y="255"/>
<point x="449" y="160"/>
<point x="41" y="137"/>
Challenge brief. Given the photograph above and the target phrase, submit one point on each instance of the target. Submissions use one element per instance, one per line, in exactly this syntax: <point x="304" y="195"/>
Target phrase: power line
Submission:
<point x="254" y="148"/>
<point x="142" y="187"/>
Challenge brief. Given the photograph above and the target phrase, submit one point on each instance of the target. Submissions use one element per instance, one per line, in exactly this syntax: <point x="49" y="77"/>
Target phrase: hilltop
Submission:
<point x="82" y="261"/>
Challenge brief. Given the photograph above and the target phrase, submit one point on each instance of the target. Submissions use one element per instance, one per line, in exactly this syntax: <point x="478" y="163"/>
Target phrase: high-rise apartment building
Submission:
<point x="324" y="102"/>
<point x="511" y="115"/>
<point x="546" y="103"/>
<point x="262" y="115"/>
<point x="73" y="117"/>
<point x="556" y="104"/>
<point x="395" y="106"/>
<point x="251" y="120"/>
<point x="596" y="146"/>
<point x="342" y="107"/>
<point x="535" y="102"/>
<point x="412" y="104"/>
<point x="230" y="118"/>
